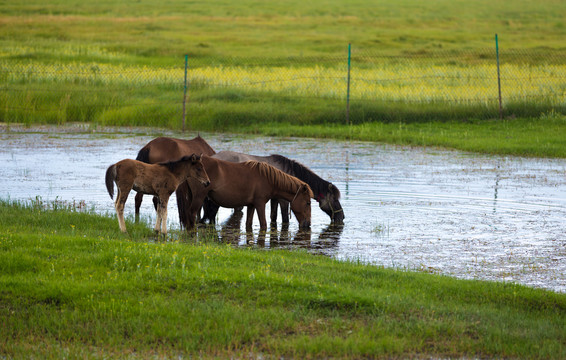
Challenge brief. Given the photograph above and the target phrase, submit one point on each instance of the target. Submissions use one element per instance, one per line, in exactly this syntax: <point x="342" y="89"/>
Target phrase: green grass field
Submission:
<point x="161" y="32"/>
<point x="73" y="286"/>
<point x="256" y="64"/>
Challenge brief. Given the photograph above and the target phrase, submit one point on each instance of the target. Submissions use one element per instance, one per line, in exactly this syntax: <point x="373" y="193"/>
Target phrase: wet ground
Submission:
<point x="460" y="214"/>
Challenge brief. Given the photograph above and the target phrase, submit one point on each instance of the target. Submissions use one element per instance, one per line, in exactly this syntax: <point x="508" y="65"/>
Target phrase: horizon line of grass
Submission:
<point x="72" y="285"/>
<point x="529" y="137"/>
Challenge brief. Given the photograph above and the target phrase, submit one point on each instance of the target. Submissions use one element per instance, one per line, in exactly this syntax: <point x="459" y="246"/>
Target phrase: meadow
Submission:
<point x="423" y="73"/>
<point x="279" y="65"/>
<point x="73" y="286"/>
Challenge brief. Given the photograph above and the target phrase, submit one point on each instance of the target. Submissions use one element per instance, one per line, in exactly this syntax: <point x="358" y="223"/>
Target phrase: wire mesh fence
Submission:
<point x="437" y="85"/>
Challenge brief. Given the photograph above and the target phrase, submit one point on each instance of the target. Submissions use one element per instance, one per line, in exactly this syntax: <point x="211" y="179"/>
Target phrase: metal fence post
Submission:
<point x="185" y="91"/>
<point x="498" y="77"/>
<point x="348" y="89"/>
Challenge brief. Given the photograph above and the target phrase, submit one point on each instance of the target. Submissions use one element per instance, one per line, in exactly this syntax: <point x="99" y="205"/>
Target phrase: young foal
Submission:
<point x="163" y="149"/>
<point x="154" y="179"/>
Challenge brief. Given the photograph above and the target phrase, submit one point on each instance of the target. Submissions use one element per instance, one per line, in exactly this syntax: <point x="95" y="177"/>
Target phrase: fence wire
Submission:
<point x="416" y="86"/>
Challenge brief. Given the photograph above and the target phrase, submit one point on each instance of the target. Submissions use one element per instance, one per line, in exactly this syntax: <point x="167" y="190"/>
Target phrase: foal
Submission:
<point x="153" y="179"/>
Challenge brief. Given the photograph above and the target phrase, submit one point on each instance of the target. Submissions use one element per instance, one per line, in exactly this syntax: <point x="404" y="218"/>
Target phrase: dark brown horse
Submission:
<point x="159" y="180"/>
<point x="163" y="149"/>
<point x="249" y="184"/>
<point x="326" y="193"/>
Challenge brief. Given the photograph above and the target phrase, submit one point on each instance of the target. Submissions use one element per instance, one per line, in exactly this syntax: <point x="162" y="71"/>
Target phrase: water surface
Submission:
<point x="455" y="213"/>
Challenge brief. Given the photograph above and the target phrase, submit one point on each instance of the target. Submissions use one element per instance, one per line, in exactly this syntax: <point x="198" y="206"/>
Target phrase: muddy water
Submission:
<point x="449" y="212"/>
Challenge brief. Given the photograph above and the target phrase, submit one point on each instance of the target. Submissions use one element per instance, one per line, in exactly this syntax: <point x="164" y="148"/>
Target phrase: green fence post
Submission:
<point x="348" y="88"/>
<point x="498" y="77"/>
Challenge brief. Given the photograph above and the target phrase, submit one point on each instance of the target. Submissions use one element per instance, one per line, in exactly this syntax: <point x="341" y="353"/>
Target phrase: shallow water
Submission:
<point x="449" y="212"/>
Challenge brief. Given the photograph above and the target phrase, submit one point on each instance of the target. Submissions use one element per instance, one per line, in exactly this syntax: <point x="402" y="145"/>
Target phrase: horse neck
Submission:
<point x="287" y="194"/>
<point x="214" y="170"/>
<point x="286" y="188"/>
<point x="180" y="170"/>
<point x="301" y="172"/>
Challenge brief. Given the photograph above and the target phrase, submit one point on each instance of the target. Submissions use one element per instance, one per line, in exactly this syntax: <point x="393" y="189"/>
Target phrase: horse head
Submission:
<point x="329" y="203"/>
<point x="301" y="206"/>
<point x="197" y="170"/>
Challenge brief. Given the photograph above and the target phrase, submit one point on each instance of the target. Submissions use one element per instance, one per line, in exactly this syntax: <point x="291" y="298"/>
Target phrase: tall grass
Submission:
<point x="140" y="95"/>
<point x="71" y="285"/>
<point x="113" y="63"/>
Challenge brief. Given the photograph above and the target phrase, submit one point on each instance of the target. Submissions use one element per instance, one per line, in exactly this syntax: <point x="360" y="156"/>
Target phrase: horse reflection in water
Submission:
<point x="230" y="233"/>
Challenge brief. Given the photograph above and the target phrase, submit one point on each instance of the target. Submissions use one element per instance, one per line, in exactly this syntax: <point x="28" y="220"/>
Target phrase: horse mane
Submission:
<point x="277" y="177"/>
<point x="171" y="165"/>
<point x="317" y="184"/>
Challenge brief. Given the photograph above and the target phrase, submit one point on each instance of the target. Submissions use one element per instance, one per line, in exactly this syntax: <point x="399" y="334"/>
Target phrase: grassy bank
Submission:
<point x="72" y="285"/>
<point x="532" y="137"/>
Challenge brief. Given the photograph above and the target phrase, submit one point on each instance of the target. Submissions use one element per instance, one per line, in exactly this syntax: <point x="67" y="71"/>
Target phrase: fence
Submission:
<point x="420" y="86"/>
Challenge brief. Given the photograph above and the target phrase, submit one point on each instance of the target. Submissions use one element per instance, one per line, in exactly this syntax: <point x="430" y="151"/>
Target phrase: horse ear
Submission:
<point x="194" y="158"/>
<point x="330" y="186"/>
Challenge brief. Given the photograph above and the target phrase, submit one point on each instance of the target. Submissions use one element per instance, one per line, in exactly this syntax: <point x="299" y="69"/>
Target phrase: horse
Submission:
<point x="250" y="184"/>
<point x="162" y="149"/>
<point x="327" y="194"/>
<point x="154" y="179"/>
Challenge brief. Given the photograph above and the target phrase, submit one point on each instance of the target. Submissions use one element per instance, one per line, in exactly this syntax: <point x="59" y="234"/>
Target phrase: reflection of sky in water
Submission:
<point x="468" y="215"/>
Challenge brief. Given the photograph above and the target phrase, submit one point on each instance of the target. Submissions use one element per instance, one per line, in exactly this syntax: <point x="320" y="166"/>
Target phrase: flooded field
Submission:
<point x="460" y="214"/>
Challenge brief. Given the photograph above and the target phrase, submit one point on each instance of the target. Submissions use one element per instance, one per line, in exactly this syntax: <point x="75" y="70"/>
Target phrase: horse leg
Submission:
<point x="159" y="213"/>
<point x="186" y="202"/>
<point x="210" y="210"/>
<point x="284" y="210"/>
<point x="119" y="204"/>
<point x="189" y="213"/>
<point x="261" y="216"/>
<point x="163" y="206"/>
<point x="274" y="203"/>
<point x="138" y="199"/>
<point x="250" y="217"/>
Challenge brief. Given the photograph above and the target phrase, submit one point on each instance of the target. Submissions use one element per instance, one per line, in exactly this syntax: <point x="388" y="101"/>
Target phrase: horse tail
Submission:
<point x="143" y="155"/>
<point x="110" y="178"/>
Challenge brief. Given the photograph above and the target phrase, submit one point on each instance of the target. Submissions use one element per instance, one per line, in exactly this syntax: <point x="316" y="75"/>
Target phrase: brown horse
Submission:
<point x="154" y="179"/>
<point x="327" y="194"/>
<point x="249" y="184"/>
<point x="163" y="149"/>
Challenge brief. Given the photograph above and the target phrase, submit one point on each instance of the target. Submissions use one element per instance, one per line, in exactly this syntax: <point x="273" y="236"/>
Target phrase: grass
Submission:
<point x="107" y="94"/>
<point x="118" y="63"/>
<point x="71" y="285"/>
<point x="163" y="31"/>
<point x="531" y="137"/>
